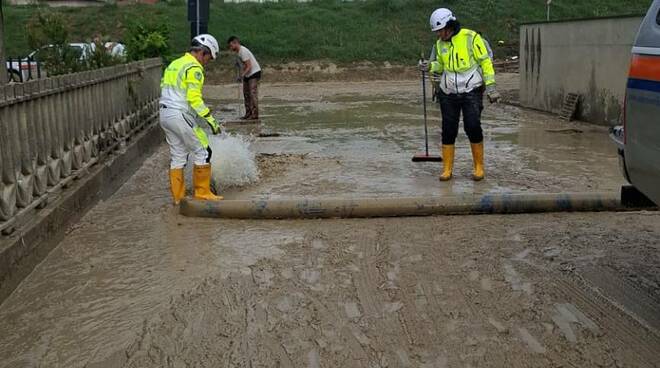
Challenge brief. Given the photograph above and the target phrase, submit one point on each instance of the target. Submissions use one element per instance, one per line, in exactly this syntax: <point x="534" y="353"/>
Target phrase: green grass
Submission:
<point x="375" y="30"/>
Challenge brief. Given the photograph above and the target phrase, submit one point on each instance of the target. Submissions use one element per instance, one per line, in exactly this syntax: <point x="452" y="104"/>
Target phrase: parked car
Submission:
<point x="82" y="50"/>
<point x="638" y="140"/>
<point x="24" y="69"/>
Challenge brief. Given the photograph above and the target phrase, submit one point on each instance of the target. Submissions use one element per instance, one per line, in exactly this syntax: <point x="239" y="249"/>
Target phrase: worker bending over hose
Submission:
<point x="181" y="107"/>
<point x="464" y="69"/>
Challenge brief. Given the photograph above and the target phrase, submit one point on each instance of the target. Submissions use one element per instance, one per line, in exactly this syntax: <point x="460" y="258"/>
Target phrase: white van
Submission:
<point x="638" y="139"/>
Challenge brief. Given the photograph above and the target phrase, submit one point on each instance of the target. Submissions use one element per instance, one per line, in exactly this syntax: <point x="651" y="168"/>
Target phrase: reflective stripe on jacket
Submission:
<point x="181" y="89"/>
<point x="463" y="62"/>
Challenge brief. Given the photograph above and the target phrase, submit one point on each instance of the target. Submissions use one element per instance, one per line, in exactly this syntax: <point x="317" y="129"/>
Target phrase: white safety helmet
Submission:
<point x="440" y="18"/>
<point x="209" y="41"/>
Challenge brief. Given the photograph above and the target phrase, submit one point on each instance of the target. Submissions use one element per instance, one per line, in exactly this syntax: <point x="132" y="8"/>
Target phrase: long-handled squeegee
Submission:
<point x="425" y="156"/>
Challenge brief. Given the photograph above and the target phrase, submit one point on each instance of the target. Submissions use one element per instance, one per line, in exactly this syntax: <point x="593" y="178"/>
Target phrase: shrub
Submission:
<point x="147" y="41"/>
<point x="48" y="33"/>
<point x="99" y="57"/>
<point x="47" y="28"/>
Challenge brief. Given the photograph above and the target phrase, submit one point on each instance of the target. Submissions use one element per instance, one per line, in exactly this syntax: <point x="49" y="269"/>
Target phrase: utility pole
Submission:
<point x="198" y="16"/>
<point x="3" y="71"/>
<point x="547" y="15"/>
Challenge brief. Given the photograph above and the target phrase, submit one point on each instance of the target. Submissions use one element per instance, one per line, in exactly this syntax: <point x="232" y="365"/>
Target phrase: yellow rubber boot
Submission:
<point x="202" y="183"/>
<point x="478" y="160"/>
<point x="447" y="161"/>
<point x="177" y="185"/>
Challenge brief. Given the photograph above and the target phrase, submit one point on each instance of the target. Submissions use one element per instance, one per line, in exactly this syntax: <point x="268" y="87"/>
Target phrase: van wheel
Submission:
<point x="631" y="197"/>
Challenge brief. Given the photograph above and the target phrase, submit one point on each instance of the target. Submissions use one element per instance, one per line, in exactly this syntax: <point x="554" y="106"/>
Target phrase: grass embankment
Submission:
<point x="343" y="32"/>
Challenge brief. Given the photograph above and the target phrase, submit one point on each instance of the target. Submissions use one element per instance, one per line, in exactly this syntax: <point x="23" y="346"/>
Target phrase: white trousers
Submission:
<point x="181" y="137"/>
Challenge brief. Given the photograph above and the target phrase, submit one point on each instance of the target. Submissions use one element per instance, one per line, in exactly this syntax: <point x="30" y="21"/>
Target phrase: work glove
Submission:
<point x="492" y="94"/>
<point x="215" y="127"/>
<point x="423" y="65"/>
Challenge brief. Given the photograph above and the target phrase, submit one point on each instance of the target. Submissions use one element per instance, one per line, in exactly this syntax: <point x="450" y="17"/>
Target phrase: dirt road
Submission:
<point x="136" y="285"/>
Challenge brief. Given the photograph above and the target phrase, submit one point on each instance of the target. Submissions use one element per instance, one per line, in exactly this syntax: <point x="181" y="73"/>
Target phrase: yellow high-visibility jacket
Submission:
<point x="463" y="62"/>
<point x="181" y="88"/>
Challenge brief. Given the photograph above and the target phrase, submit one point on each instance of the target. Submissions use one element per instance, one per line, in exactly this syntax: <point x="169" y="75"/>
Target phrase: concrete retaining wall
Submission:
<point x="588" y="57"/>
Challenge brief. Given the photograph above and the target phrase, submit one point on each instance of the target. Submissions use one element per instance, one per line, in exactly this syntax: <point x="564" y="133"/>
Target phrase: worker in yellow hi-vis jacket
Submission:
<point x="181" y="107"/>
<point x="464" y="71"/>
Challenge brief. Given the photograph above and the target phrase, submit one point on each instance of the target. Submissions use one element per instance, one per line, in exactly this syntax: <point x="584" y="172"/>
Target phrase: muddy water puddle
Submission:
<point x="362" y="144"/>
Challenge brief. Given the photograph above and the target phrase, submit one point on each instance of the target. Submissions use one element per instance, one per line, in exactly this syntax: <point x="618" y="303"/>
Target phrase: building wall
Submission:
<point x="589" y="57"/>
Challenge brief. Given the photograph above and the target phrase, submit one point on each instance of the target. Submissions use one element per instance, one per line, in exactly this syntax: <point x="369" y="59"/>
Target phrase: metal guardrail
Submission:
<point x="20" y="70"/>
<point x="53" y="129"/>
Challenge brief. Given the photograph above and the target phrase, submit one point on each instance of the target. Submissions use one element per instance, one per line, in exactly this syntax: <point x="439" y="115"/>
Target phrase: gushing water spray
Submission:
<point x="233" y="163"/>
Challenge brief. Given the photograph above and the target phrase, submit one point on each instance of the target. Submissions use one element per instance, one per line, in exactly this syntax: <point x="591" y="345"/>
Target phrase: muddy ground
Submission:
<point x="326" y="71"/>
<point x="357" y="139"/>
<point x="316" y="71"/>
<point x="136" y="285"/>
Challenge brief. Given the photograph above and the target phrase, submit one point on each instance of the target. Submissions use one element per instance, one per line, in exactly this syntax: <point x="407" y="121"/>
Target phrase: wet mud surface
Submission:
<point x="367" y="134"/>
<point x="136" y="285"/>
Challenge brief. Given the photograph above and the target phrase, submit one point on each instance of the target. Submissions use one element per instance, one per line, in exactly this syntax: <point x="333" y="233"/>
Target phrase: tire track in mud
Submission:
<point x="447" y="297"/>
<point x="217" y="324"/>
<point x="330" y="331"/>
<point x="368" y="299"/>
<point x="587" y="351"/>
<point x="487" y="309"/>
<point x="237" y="321"/>
<point x="384" y="327"/>
<point x="380" y="311"/>
<point x="459" y="303"/>
<point x="516" y="308"/>
<point x="350" y="335"/>
<point x="635" y="344"/>
<point x="625" y="295"/>
<point x="638" y="345"/>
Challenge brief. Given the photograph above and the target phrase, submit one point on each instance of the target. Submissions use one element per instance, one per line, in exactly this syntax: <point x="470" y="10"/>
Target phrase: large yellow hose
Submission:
<point x="402" y="206"/>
